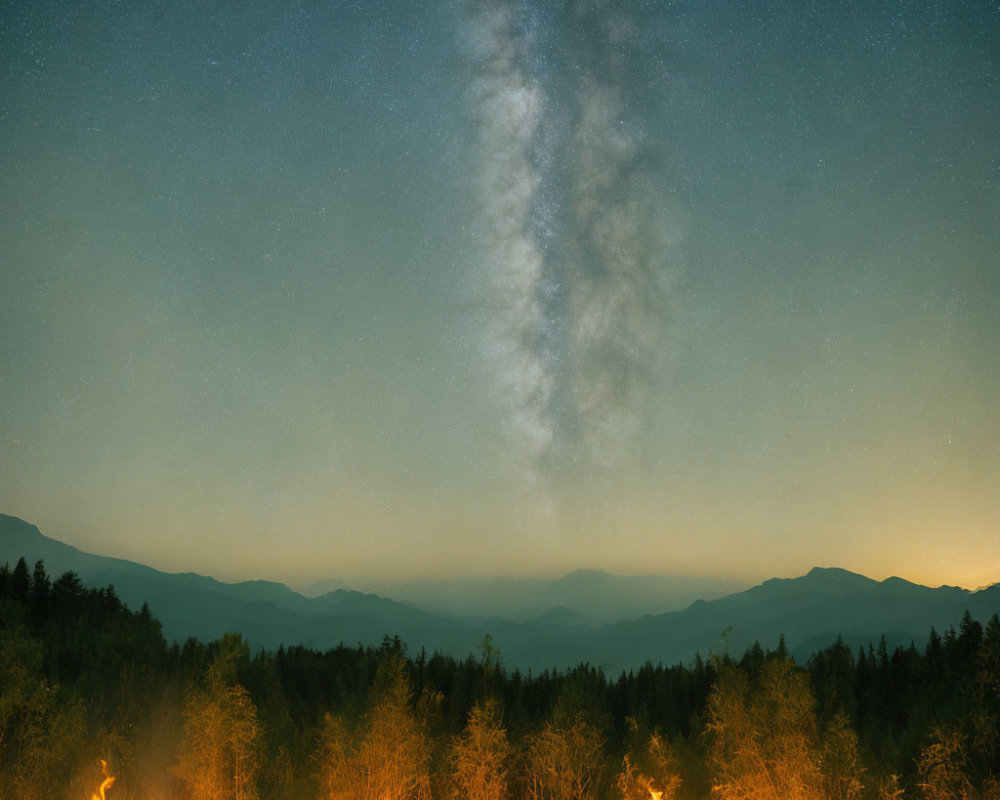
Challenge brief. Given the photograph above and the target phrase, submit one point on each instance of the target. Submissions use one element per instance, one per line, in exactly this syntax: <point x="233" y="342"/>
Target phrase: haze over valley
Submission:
<point x="535" y="625"/>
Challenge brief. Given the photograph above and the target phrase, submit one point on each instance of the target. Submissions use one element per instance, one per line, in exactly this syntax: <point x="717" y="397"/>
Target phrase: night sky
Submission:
<point x="296" y="290"/>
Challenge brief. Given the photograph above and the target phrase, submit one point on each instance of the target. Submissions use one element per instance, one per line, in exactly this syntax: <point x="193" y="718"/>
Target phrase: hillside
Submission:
<point x="810" y="611"/>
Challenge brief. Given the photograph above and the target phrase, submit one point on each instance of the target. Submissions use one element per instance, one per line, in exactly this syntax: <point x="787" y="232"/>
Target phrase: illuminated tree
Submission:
<point x="840" y="761"/>
<point x="480" y="755"/>
<point x="942" y="766"/>
<point x="336" y="767"/>
<point x="42" y="726"/>
<point x="648" y="769"/>
<point x="393" y="755"/>
<point x="888" y="789"/>
<point x="564" y="759"/>
<point x="390" y="760"/>
<point x="763" y="737"/>
<point x="220" y="755"/>
<point x="986" y="716"/>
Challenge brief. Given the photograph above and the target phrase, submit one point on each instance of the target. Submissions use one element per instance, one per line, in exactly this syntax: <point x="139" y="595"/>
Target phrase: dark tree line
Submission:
<point x="84" y="678"/>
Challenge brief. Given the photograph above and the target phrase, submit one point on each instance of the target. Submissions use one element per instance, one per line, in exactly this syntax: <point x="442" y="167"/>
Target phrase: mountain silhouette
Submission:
<point x="810" y="611"/>
<point x="594" y="594"/>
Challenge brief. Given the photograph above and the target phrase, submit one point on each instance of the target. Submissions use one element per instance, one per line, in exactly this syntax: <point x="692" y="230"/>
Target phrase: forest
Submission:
<point x="95" y="703"/>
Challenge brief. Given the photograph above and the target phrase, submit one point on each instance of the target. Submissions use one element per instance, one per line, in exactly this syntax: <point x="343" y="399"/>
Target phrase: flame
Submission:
<point x="653" y="793"/>
<point x="106" y="784"/>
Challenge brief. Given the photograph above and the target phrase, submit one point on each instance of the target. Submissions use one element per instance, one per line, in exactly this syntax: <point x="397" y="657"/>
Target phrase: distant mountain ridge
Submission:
<point x="811" y="611"/>
<point x="188" y="604"/>
<point x="594" y="594"/>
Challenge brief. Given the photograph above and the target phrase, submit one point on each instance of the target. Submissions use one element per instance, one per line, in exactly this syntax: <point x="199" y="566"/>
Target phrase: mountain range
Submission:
<point x="587" y="616"/>
<point x="594" y="596"/>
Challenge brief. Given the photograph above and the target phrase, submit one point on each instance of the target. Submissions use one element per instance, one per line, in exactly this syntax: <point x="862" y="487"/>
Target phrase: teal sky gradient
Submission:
<point x="298" y="290"/>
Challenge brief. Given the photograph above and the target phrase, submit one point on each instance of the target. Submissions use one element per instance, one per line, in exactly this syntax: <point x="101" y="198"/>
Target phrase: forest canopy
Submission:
<point x="85" y="680"/>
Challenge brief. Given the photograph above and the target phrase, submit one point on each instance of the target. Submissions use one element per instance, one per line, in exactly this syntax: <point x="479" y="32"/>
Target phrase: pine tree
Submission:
<point x="21" y="580"/>
<point x="942" y="766"/>
<point x="481" y="755"/>
<point x="220" y="755"/>
<point x="649" y="770"/>
<point x="565" y="759"/>
<point x="393" y="756"/>
<point x="841" y="765"/>
<point x="763" y="736"/>
<point x="390" y="759"/>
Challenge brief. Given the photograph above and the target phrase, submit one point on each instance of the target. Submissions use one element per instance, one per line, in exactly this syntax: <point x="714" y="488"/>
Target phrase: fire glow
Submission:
<point x="106" y="784"/>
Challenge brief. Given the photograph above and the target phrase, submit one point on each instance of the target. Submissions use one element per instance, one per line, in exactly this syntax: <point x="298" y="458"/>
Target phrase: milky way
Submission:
<point x="509" y="105"/>
<point x="577" y="239"/>
<point x="430" y="287"/>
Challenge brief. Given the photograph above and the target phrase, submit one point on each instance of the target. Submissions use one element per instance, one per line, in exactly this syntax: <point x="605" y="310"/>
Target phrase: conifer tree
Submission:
<point x="42" y="725"/>
<point x="220" y="755"/>
<point x="841" y="766"/>
<point x="763" y="736"/>
<point x="21" y="580"/>
<point x="393" y="756"/>
<point x="336" y="769"/>
<point x="649" y="770"/>
<point x="390" y="759"/>
<point x="942" y="766"/>
<point x="481" y="755"/>
<point x="565" y="759"/>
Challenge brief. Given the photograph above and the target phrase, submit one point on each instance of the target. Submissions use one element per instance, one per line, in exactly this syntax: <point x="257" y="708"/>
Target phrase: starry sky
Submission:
<point x="296" y="289"/>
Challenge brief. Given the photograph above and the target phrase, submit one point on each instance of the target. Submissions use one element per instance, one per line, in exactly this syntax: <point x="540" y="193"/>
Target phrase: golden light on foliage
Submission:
<point x="388" y="757"/>
<point x="210" y="723"/>
<point x="648" y="767"/>
<point x="564" y="759"/>
<point x="220" y="753"/>
<point x="764" y="739"/>
<point x="481" y="755"/>
<point x="106" y="784"/>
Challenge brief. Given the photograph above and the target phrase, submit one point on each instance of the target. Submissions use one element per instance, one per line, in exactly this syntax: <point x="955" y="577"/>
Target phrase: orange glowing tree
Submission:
<point x="764" y="739"/>
<point x="565" y="759"/>
<point x="389" y="758"/>
<point x="648" y="770"/>
<point x="220" y="755"/>
<point x="481" y="755"/>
